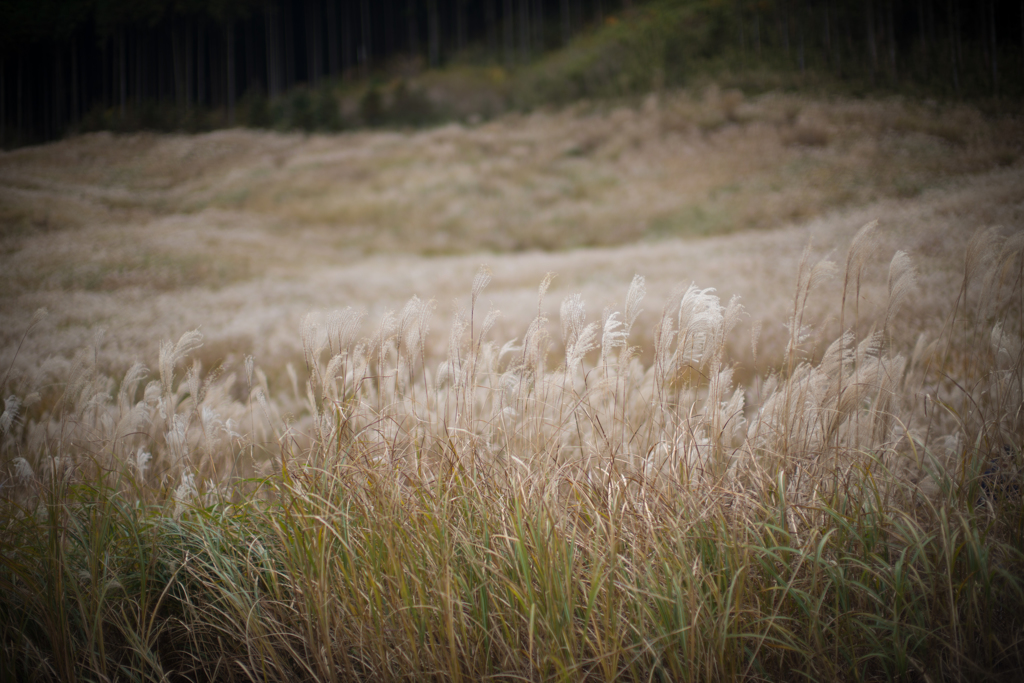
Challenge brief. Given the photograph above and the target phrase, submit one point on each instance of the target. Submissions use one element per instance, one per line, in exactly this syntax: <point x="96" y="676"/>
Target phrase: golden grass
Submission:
<point x="430" y="490"/>
<point x="506" y="510"/>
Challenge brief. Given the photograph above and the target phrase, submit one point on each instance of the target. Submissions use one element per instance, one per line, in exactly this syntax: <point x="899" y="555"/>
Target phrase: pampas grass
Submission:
<point x="549" y="507"/>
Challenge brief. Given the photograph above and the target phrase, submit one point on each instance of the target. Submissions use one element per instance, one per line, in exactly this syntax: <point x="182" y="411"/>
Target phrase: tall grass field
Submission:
<point x="589" y="498"/>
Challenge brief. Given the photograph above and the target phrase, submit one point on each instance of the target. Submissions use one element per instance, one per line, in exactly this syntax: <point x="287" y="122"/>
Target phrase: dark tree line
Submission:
<point x="966" y="46"/>
<point x="61" y="59"/>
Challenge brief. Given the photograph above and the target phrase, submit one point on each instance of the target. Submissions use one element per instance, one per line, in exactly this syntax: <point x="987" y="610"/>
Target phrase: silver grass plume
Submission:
<point x="451" y="370"/>
<point x="308" y="329"/>
<point x="731" y="317"/>
<point x="634" y="296"/>
<point x="171" y="354"/>
<point x="700" y="321"/>
<point x="902" y="279"/>
<point x="579" y="339"/>
<point x="489" y="320"/>
<point x="861" y="248"/>
<point x="423" y="327"/>
<point x="10" y="415"/>
<point x="480" y="281"/>
<point x="413" y="326"/>
<point x="511" y="346"/>
<point x="261" y="399"/>
<point x="57" y="470"/>
<point x="664" y="335"/>
<point x="572" y="314"/>
<point x="185" y="493"/>
<point x="152" y="395"/>
<point x="177" y="439"/>
<point x="408" y="319"/>
<point x="543" y="289"/>
<point x="342" y="327"/>
<point x="807" y="280"/>
<point x="134" y="420"/>
<point x="613" y="335"/>
<point x="386" y="330"/>
<point x="535" y="345"/>
<point x="194" y="383"/>
<point x="129" y="385"/>
<point x="23" y="474"/>
<point x="999" y="272"/>
<point x="980" y="251"/>
<point x="1013" y="246"/>
<point x="212" y="423"/>
<point x="1005" y="345"/>
<point x="293" y="378"/>
<point x="870" y="347"/>
<point x="755" y="337"/>
<point x="585" y="342"/>
<point x="139" y="463"/>
<point x="331" y="375"/>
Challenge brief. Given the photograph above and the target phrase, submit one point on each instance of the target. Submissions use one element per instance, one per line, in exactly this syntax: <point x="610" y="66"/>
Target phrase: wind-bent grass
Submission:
<point x="497" y="518"/>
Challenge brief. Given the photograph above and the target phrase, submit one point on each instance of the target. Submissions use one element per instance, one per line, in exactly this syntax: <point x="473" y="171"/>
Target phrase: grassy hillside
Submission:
<point x="508" y="510"/>
<point x="374" y="458"/>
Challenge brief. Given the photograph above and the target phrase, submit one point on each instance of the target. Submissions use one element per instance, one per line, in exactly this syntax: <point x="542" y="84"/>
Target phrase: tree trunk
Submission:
<point x="333" y="63"/>
<point x="138" y="70"/>
<point x="757" y="28"/>
<point x="202" y="57"/>
<point x="782" y="16"/>
<point x="891" y="21"/>
<point x="994" y="47"/>
<point x="177" y="70"/>
<point x="738" y="11"/>
<point x="122" y="70"/>
<point x="250" y="54"/>
<point x="309" y="14"/>
<point x="566" y="22"/>
<point x="801" y="17"/>
<point x="524" y="31"/>
<point x="288" y="28"/>
<point x="827" y="35"/>
<point x="366" y="50"/>
<point x="75" y="94"/>
<point x="188" y="66"/>
<point x="411" y="28"/>
<point x="433" y="33"/>
<point x="538" y="25"/>
<point x="922" y="26"/>
<point x="491" y="18"/>
<point x="389" y="30"/>
<point x="3" y="102"/>
<point x="19" y="119"/>
<point x="229" y="63"/>
<point x="158" y="63"/>
<point x="954" y="39"/>
<point x="346" y="39"/>
<point x="51" y="122"/>
<point x="508" y="26"/>
<point x="460" y="25"/>
<point x="271" y="48"/>
<point x="869" y="15"/>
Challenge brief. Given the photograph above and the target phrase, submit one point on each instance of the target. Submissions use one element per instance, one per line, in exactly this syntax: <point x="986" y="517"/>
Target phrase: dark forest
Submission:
<point x="69" y="64"/>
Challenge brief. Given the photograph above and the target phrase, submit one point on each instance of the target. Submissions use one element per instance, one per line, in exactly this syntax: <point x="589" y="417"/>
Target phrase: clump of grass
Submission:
<point x="547" y="508"/>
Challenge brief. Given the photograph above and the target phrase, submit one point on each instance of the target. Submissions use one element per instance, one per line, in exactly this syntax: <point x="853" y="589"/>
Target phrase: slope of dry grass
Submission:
<point x="604" y="481"/>
<point x="242" y="232"/>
